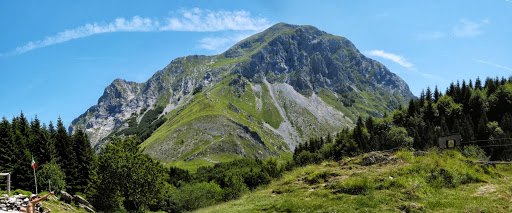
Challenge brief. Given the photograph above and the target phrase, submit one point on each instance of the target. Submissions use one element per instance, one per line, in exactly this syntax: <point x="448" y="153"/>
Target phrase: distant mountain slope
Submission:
<point x="260" y="98"/>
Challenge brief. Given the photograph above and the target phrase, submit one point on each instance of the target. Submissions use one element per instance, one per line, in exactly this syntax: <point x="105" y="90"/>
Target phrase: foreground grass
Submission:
<point x="404" y="182"/>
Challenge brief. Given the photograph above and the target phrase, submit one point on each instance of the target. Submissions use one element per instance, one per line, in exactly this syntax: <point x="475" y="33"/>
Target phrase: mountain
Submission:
<point x="259" y="98"/>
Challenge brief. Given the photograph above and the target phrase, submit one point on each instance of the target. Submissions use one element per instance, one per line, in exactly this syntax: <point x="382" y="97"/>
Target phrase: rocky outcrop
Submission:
<point x="261" y="97"/>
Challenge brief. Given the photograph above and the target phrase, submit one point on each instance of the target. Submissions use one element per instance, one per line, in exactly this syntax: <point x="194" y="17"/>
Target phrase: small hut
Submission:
<point x="450" y="141"/>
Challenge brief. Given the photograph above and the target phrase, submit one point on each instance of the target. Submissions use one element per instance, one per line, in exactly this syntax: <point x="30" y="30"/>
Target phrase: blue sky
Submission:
<point x="57" y="57"/>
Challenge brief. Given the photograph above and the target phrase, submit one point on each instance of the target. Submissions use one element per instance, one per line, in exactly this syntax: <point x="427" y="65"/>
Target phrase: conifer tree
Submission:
<point x="36" y="142"/>
<point x="478" y="84"/>
<point x="65" y="155"/>
<point x="437" y="95"/>
<point x="6" y="147"/>
<point x="84" y="160"/>
<point x="22" y="176"/>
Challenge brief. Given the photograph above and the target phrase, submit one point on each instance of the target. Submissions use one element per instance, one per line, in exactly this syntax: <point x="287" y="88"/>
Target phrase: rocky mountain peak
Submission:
<point x="261" y="97"/>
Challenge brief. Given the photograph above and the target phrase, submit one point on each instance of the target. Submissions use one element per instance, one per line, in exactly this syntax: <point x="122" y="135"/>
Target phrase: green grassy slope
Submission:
<point x="209" y="125"/>
<point x="429" y="182"/>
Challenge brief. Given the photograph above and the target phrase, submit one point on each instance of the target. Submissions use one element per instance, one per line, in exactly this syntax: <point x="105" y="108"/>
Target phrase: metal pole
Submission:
<point x="49" y="186"/>
<point x="35" y="179"/>
<point x="9" y="184"/>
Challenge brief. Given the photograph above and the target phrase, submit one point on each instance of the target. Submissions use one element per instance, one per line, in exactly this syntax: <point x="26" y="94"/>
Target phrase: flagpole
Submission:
<point x="33" y="165"/>
<point x="35" y="179"/>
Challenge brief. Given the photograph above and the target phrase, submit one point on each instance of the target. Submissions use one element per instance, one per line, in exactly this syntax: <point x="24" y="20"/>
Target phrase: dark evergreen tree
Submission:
<point x="478" y="84"/>
<point x="65" y="155"/>
<point x="22" y="174"/>
<point x="360" y="135"/>
<point x="36" y="142"/>
<point x="84" y="160"/>
<point x="437" y="95"/>
<point x="6" y="146"/>
<point x="412" y="108"/>
<point x="428" y="95"/>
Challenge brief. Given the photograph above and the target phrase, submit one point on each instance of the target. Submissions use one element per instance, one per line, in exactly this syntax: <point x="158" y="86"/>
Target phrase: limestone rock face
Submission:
<point x="260" y="98"/>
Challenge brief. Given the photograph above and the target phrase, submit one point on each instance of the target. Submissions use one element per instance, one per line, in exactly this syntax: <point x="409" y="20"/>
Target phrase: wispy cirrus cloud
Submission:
<point x="402" y="62"/>
<point x="193" y="20"/>
<point x="136" y="24"/>
<point x="467" y="28"/>
<point x="390" y="56"/>
<point x="221" y="43"/>
<point x="493" y="64"/>
<point x="199" y="20"/>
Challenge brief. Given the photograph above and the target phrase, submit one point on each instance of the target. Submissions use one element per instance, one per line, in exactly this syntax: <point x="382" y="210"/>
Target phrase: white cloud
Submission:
<point x="119" y="25"/>
<point x="468" y="28"/>
<point x="402" y="62"/>
<point x="206" y="21"/>
<point x="493" y="64"/>
<point x="431" y="35"/>
<point x="213" y="43"/>
<point x="390" y="56"/>
<point x="220" y="43"/>
<point x="189" y="20"/>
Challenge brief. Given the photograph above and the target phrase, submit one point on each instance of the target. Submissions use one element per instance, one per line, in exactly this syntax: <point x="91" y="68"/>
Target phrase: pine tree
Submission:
<point x="6" y="147"/>
<point x="36" y="142"/>
<point x="22" y="177"/>
<point x="478" y="84"/>
<point x="428" y="95"/>
<point x="49" y="135"/>
<point x="360" y="135"/>
<point x="65" y="155"/>
<point x="412" y="108"/>
<point x="437" y="95"/>
<point x="84" y="160"/>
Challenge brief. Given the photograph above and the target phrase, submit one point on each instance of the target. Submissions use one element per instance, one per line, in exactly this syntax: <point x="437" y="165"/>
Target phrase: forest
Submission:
<point x="121" y="177"/>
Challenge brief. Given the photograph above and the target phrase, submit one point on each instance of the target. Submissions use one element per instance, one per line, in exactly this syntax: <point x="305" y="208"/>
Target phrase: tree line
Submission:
<point x="66" y="160"/>
<point x="481" y="112"/>
<point x="122" y="177"/>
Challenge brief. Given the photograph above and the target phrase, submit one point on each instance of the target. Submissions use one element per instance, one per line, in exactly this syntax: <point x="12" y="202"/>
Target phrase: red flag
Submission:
<point x="33" y="164"/>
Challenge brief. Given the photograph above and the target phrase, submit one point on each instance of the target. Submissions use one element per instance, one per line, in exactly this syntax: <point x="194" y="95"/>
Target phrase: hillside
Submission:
<point x="405" y="181"/>
<point x="260" y="98"/>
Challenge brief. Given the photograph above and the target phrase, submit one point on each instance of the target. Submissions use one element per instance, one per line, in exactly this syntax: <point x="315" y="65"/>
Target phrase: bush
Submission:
<point x="235" y="186"/>
<point x="397" y="137"/>
<point x="474" y="152"/>
<point x="127" y="177"/>
<point x="197" y="195"/>
<point x="51" y="172"/>
<point x="318" y="177"/>
<point x="306" y="158"/>
<point x="21" y="191"/>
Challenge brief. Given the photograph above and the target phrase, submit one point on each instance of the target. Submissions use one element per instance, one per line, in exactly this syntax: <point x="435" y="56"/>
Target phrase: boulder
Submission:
<point x="68" y="207"/>
<point x="80" y="200"/>
<point x="66" y="197"/>
<point x="87" y="208"/>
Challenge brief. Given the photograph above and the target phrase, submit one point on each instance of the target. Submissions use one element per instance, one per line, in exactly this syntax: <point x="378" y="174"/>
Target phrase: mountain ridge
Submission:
<point x="262" y="86"/>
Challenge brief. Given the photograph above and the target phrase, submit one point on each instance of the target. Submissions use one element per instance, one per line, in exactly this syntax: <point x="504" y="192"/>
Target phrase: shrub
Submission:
<point x="306" y="158"/>
<point x="235" y="186"/>
<point x="51" y="172"/>
<point x="21" y="191"/>
<point x="318" y="177"/>
<point x="197" y="195"/>
<point x="474" y="152"/>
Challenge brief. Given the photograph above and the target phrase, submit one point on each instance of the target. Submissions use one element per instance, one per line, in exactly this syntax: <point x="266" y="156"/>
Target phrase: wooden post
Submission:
<point x="8" y="182"/>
